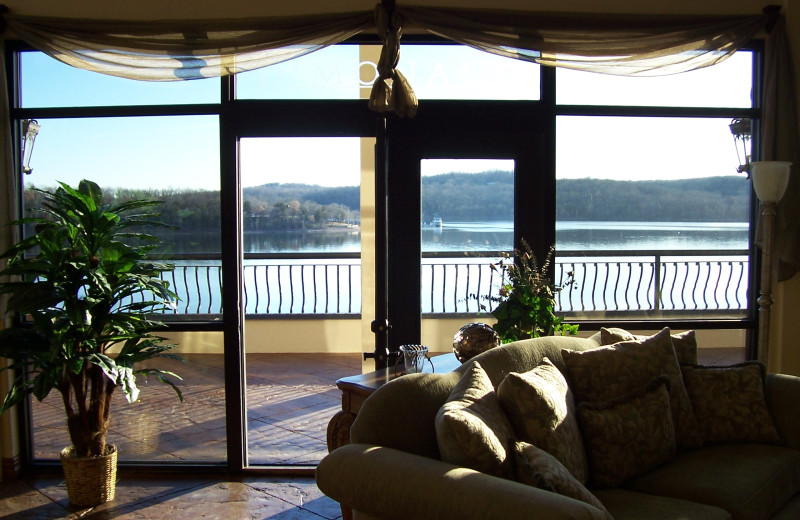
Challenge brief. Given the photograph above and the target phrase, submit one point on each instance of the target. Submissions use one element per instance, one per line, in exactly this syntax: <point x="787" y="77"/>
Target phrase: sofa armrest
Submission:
<point x="783" y="401"/>
<point x="392" y="484"/>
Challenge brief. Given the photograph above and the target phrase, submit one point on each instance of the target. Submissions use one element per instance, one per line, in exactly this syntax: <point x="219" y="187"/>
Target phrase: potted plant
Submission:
<point x="86" y="293"/>
<point x="527" y="299"/>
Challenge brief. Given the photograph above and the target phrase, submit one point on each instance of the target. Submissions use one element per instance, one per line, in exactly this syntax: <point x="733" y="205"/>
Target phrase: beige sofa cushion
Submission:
<point x="629" y="435"/>
<point x="684" y="343"/>
<point x="535" y="467"/>
<point x="624" y="504"/>
<point x="612" y="371"/>
<point x="540" y="407"/>
<point x="750" y="481"/>
<point x="729" y="403"/>
<point x="472" y="429"/>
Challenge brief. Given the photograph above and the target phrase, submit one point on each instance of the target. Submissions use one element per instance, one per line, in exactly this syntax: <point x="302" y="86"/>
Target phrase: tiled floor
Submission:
<point x="176" y="498"/>
<point x="290" y="400"/>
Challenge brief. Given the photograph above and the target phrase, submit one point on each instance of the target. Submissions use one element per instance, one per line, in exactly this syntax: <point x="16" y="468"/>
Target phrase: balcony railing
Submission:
<point x="696" y="282"/>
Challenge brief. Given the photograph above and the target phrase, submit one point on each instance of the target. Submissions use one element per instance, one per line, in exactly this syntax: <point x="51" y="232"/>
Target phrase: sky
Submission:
<point x="182" y="151"/>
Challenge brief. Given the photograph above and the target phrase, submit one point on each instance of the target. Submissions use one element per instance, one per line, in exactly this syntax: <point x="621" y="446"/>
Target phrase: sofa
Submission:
<point x="576" y="428"/>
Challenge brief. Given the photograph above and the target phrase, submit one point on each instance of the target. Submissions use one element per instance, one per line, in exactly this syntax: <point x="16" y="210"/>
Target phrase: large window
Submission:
<point x="300" y="217"/>
<point x="651" y="215"/>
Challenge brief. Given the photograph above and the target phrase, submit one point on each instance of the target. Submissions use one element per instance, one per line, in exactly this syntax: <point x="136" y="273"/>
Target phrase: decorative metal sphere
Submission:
<point x="472" y="339"/>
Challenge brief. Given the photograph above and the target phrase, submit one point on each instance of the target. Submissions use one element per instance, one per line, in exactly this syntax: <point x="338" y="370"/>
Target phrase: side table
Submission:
<point x="355" y="389"/>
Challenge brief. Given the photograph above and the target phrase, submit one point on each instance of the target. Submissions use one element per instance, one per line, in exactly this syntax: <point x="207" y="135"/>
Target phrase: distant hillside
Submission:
<point x="270" y="193"/>
<point x="711" y="199"/>
<point x="455" y="197"/>
<point x="487" y="196"/>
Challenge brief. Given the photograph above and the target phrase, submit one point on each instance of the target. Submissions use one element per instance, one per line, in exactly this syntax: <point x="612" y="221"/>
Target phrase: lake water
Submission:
<point x="587" y="236"/>
<point x="294" y="286"/>
<point x="495" y="236"/>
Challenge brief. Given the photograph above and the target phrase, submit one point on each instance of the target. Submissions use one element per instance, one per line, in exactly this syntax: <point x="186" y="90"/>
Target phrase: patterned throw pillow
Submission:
<point x="684" y="343"/>
<point x="629" y="435"/>
<point x="472" y="429"/>
<point x="729" y="403"/>
<point x="608" y="372"/>
<point x="540" y="407"/>
<point x="536" y="467"/>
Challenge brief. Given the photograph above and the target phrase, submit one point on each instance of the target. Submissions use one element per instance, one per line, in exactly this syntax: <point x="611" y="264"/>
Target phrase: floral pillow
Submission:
<point x="605" y="373"/>
<point x="629" y="435"/>
<point x="729" y="403"/>
<point x="684" y="343"/>
<point x="536" y="467"/>
<point x="540" y="407"/>
<point x="472" y="429"/>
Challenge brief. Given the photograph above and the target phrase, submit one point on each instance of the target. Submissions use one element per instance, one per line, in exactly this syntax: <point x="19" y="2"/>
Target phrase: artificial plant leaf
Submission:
<point x="161" y="375"/>
<point x="15" y="394"/>
<point x="92" y="190"/>
<point x="107" y="365"/>
<point x="44" y="382"/>
<point x="126" y="380"/>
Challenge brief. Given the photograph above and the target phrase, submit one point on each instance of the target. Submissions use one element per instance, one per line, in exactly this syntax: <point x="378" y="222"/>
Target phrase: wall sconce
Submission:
<point x="742" y="131"/>
<point x="770" y="179"/>
<point x="30" y="128"/>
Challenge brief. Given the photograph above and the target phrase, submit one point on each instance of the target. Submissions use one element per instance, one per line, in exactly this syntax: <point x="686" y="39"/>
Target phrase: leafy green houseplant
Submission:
<point x="87" y="292"/>
<point x="527" y="298"/>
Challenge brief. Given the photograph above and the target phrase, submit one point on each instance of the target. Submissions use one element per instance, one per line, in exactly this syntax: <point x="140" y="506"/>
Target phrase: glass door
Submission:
<point x="464" y="185"/>
<point x="301" y="220"/>
<point x="467" y="223"/>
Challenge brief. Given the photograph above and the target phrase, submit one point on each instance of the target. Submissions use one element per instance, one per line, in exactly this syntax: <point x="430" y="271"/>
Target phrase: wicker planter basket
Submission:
<point x="90" y="481"/>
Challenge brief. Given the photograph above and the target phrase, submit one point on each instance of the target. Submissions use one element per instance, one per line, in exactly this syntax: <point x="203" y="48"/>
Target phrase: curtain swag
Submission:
<point x="631" y="45"/>
<point x="170" y="51"/>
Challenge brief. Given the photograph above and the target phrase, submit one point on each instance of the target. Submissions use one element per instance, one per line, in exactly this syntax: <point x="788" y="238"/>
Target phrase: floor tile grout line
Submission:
<point x="294" y="506"/>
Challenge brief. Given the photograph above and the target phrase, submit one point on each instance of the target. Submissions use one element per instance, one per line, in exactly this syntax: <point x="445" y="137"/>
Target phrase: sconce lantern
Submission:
<point x="742" y="131"/>
<point x="30" y="128"/>
<point x="770" y="179"/>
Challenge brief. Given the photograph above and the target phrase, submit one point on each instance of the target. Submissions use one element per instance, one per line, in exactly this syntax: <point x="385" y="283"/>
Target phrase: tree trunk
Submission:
<point x="87" y="401"/>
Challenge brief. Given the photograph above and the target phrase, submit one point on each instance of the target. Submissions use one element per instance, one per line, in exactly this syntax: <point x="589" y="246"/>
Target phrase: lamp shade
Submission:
<point x="770" y="179"/>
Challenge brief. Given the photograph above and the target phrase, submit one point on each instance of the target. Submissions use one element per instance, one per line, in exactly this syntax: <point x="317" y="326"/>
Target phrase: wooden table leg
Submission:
<point x="339" y="435"/>
<point x="339" y="429"/>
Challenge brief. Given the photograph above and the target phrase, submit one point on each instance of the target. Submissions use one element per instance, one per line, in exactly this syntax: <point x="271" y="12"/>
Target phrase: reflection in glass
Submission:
<point x="434" y="72"/>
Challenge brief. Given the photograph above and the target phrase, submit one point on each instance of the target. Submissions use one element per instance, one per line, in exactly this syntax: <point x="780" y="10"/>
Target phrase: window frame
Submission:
<point x="321" y="118"/>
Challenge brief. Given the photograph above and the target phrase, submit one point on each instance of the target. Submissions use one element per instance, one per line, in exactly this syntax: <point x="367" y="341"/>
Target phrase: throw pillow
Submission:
<point x="729" y="403"/>
<point x="536" y="467"/>
<point x="628" y="436"/>
<point x="472" y="429"/>
<point x="540" y="407"/>
<point x="684" y="343"/>
<point x="608" y="372"/>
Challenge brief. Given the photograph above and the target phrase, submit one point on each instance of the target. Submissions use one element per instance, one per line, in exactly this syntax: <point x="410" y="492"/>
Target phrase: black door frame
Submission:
<point x="522" y="131"/>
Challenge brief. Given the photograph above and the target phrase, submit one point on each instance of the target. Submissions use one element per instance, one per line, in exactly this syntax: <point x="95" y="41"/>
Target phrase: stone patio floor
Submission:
<point x="290" y="399"/>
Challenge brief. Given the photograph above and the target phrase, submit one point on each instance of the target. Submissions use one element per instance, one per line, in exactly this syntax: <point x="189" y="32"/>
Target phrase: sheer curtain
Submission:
<point x="173" y="51"/>
<point x="605" y="43"/>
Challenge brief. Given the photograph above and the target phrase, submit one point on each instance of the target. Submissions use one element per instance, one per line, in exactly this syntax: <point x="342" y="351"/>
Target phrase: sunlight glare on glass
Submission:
<point x="434" y="72"/>
<point x="643" y="148"/>
<point x="322" y="161"/>
<point x="430" y="167"/>
<point x="727" y="84"/>
<point x="328" y="73"/>
<point x="461" y="72"/>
